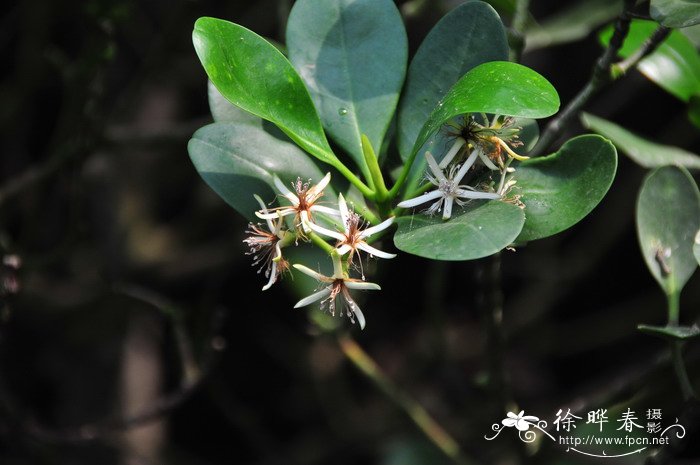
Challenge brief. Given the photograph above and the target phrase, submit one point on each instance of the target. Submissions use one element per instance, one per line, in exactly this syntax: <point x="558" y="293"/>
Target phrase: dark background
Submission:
<point x="134" y="331"/>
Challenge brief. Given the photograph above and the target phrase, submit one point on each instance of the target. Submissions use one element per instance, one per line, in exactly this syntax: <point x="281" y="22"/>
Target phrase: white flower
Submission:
<point x="521" y="421"/>
<point x="448" y="188"/>
<point x="353" y="237"/>
<point x="265" y="246"/>
<point x="337" y="288"/>
<point x="303" y="202"/>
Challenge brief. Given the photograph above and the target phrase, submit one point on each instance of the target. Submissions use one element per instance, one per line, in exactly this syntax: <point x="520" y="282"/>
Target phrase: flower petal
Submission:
<point x="344" y="213"/>
<point x="356" y="310"/>
<point x="315" y="192"/>
<point x="375" y="252"/>
<point x="326" y="210"/>
<point x="284" y="190"/>
<point x="449" y="156"/>
<point x="275" y="214"/>
<point x="375" y="229"/>
<point x="427" y="197"/>
<point x="508" y="422"/>
<point x="467" y="194"/>
<point x="263" y="209"/>
<point x="447" y="211"/>
<point x="434" y="167"/>
<point x="343" y="249"/>
<point x="467" y="164"/>
<point x="309" y="272"/>
<point x="273" y="277"/>
<point x="326" y="232"/>
<point x="315" y="297"/>
<point x="487" y="161"/>
<point x="362" y="285"/>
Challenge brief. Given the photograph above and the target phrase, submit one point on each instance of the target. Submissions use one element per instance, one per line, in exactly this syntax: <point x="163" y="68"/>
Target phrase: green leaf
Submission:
<point x="671" y="332"/>
<point x="224" y="111"/>
<point x="642" y="151"/>
<point x="675" y="13"/>
<point x="239" y="160"/>
<point x="352" y="56"/>
<point x="674" y="66"/>
<point x="559" y="190"/>
<point x="481" y="229"/>
<point x="252" y="74"/>
<point x="668" y="217"/>
<point x="467" y="36"/>
<point x="498" y="87"/>
<point x="696" y="247"/>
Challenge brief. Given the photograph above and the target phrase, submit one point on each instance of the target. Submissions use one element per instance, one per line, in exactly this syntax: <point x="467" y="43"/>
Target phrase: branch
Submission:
<point x="426" y="423"/>
<point x="193" y="377"/>
<point x="601" y="77"/>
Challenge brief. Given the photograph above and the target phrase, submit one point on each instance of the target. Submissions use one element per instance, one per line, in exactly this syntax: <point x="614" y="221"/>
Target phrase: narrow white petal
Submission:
<point x="362" y="285"/>
<point x="276" y="214"/>
<point x="263" y="209"/>
<point x="487" y="161"/>
<point x="273" y="277"/>
<point x="304" y="215"/>
<point x="451" y="154"/>
<point x="315" y="297"/>
<point x="428" y="196"/>
<point x="376" y="252"/>
<point x="326" y="232"/>
<point x="344" y="213"/>
<point x="447" y="211"/>
<point x="467" y="164"/>
<point x="357" y="311"/>
<point x="326" y="210"/>
<point x="308" y="271"/>
<point x="343" y="249"/>
<point x="285" y="191"/>
<point x="466" y="194"/>
<point x="278" y="251"/>
<point x="315" y="191"/>
<point x="432" y="164"/>
<point x="375" y="229"/>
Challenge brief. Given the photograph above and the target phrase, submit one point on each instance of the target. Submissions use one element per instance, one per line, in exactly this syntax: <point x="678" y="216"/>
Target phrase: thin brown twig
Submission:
<point x="192" y="380"/>
<point x="416" y="412"/>
<point x="600" y="77"/>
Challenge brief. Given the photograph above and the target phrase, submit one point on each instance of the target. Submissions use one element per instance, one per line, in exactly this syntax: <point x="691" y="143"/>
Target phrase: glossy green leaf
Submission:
<point x="674" y="66"/>
<point x="559" y="190"/>
<point x="238" y="160"/>
<point x="255" y="76"/>
<point x="671" y="332"/>
<point x="352" y="56"/>
<point x="696" y="247"/>
<point x="224" y="111"/>
<point x="675" y="13"/>
<point x="642" y="151"/>
<point x="668" y="217"/>
<point x="481" y="229"/>
<point x="467" y="36"/>
<point x="497" y="87"/>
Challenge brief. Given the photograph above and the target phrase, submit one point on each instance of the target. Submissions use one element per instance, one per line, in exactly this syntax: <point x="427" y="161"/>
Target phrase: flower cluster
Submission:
<point x="472" y="142"/>
<point x="352" y="236"/>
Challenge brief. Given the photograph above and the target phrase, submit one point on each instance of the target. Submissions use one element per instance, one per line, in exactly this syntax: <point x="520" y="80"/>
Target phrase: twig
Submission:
<point x="192" y="379"/>
<point x="600" y="77"/>
<point x="426" y="423"/>
<point x="647" y="48"/>
<point x="490" y="303"/>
